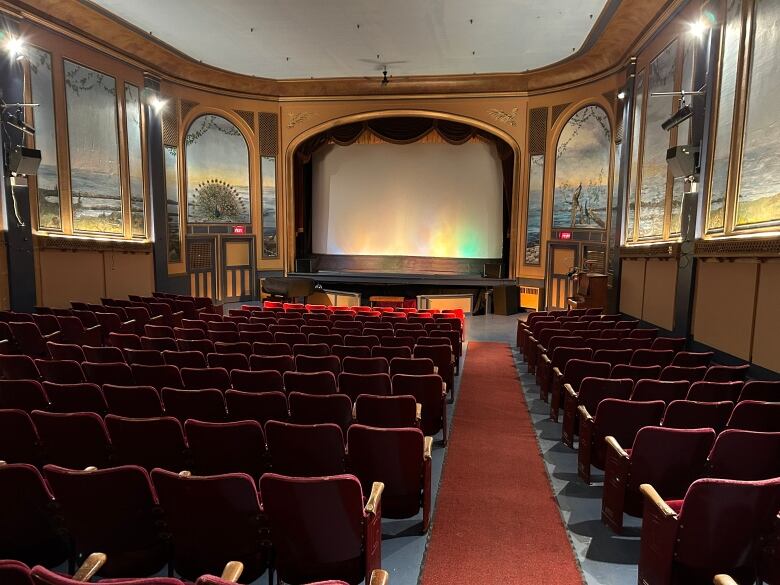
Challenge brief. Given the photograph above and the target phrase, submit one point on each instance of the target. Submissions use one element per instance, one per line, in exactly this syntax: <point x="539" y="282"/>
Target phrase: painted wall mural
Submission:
<point x="96" y="197"/>
<point x="135" y="158"/>
<point x="217" y="172"/>
<point x="582" y="171"/>
<point x="172" y="203"/>
<point x="759" y="187"/>
<point x="268" y="194"/>
<point x="533" y="225"/>
<point x="636" y="141"/>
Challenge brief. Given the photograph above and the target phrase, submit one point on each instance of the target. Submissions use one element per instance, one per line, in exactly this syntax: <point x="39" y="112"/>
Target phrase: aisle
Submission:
<point x="496" y="519"/>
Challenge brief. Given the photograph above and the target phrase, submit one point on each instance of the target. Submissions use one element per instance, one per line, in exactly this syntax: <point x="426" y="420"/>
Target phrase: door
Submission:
<point x="238" y="269"/>
<point x="202" y="267"/>
<point x="561" y="258"/>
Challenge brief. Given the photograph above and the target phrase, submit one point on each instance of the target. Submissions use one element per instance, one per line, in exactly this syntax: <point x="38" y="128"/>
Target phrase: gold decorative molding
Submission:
<point x="505" y="117"/>
<point x="294" y="118"/>
<point x="661" y="250"/>
<point x="737" y="248"/>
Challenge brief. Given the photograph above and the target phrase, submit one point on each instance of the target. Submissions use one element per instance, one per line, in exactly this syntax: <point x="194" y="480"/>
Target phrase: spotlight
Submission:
<point x="157" y="104"/>
<point x="678" y="117"/>
<point x="621" y="95"/>
<point x="14" y="46"/>
<point x="697" y="28"/>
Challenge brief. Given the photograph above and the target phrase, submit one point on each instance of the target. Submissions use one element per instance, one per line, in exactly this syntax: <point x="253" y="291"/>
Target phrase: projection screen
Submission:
<point x="430" y="200"/>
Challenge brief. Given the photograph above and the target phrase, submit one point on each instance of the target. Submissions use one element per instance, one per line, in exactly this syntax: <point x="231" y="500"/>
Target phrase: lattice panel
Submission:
<point x="170" y="124"/>
<point x="557" y="111"/>
<point x="186" y="106"/>
<point x="248" y="117"/>
<point x="269" y="124"/>
<point x="201" y="254"/>
<point x="610" y="96"/>
<point x="619" y="130"/>
<point x="737" y="248"/>
<point x="537" y="131"/>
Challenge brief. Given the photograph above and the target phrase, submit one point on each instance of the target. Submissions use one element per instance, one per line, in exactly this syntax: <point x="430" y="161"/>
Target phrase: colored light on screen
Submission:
<point x="564" y="235"/>
<point x="239" y="229"/>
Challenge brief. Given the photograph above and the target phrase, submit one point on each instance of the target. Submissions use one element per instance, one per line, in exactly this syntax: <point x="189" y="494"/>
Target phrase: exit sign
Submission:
<point x="239" y="229"/>
<point x="564" y="235"/>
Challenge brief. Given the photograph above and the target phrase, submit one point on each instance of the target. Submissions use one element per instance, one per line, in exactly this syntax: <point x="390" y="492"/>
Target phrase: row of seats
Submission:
<point x="640" y="432"/>
<point x="306" y="529"/>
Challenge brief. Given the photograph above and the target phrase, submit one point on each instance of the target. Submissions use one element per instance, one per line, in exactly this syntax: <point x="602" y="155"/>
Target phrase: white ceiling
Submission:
<point x="284" y="39"/>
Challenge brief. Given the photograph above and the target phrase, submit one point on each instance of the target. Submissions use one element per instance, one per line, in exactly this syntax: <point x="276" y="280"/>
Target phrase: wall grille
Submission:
<point x="201" y="254"/>
<point x="737" y="248"/>
<point x="170" y="124"/>
<point x="557" y="111"/>
<point x="186" y="106"/>
<point x="269" y="123"/>
<point x="248" y="117"/>
<point x="537" y="131"/>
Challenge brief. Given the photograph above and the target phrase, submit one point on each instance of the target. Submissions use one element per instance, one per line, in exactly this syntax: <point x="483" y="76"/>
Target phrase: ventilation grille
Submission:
<point x="737" y="248"/>
<point x="170" y="120"/>
<point x="248" y="117"/>
<point x="596" y="260"/>
<point x="201" y="254"/>
<point x="557" y="111"/>
<point x="537" y="131"/>
<point x="269" y="122"/>
<point x="531" y="297"/>
<point x="186" y="106"/>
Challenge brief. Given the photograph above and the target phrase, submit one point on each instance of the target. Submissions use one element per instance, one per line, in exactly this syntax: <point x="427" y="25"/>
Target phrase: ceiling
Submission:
<point x="290" y="39"/>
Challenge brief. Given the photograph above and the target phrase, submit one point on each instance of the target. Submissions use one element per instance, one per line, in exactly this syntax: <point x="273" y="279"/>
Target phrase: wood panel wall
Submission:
<point x="647" y="289"/>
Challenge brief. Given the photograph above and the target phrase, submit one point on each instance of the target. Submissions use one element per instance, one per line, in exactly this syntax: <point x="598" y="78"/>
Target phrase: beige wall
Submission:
<point x="632" y="286"/>
<point x="766" y="349"/>
<point x="88" y="275"/>
<point x="647" y="289"/>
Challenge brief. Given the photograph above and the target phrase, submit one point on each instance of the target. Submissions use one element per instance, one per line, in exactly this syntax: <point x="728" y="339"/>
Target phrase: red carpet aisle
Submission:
<point x="496" y="520"/>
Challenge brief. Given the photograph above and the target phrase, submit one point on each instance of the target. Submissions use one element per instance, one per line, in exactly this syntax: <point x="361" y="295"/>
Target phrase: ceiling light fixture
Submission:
<point x="621" y="95"/>
<point x="157" y="104"/>
<point x="14" y="46"/>
<point x="697" y="28"/>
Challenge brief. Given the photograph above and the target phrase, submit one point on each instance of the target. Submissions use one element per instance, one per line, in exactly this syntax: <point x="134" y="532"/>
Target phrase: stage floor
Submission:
<point x="418" y="279"/>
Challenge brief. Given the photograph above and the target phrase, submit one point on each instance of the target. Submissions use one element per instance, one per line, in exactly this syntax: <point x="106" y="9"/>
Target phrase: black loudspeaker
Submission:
<point x="305" y="265"/>
<point x="491" y="270"/>
<point x="506" y="300"/>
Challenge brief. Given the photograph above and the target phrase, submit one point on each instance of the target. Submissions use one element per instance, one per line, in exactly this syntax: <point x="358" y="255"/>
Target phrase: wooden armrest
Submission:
<point x="91" y="566"/>
<point x="354" y="411"/>
<point x="376" y="496"/>
<point x="53" y="335"/>
<point x="93" y="328"/>
<point x="613" y="442"/>
<point x="567" y="388"/>
<point x="427" y="448"/>
<point x="654" y="498"/>
<point x="584" y="414"/>
<point x="720" y="580"/>
<point x="545" y="359"/>
<point x="532" y="340"/>
<point x="379" y="577"/>
<point x="90" y="469"/>
<point x="185" y="473"/>
<point x="435" y="369"/>
<point x="557" y="372"/>
<point x="232" y="571"/>
<point x="129" y="322"/>
<point x="3" y="463"/>
<point x="444" y="387"/>
<point x="418" y="412"/>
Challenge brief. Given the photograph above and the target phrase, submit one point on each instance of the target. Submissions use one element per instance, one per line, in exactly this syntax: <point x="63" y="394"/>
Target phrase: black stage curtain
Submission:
<point x="396" y="130"/>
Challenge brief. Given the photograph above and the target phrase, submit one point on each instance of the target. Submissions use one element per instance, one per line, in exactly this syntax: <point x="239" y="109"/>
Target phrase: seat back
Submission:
<point x="646" y="390"/>
<point x="390" y="353"/>
<point x="678" y="373"/>
<point x="202" y="346"/>
<point x="116" y="373"/>
<point x="19" y="440"/>
<point x="60" y="371"/>
<point x="242" y="347"/>
<point x="129" y="533"/>
<point x="689" y="414"/>
<point x="745" y="511"/>
<point x="213" y="520"/>
<point x="354" y="385"/>
<point x="18" y="367"/>
<point x="751" y="415"/>
<point x="148" y="442"/>
<point x="692" y="359"/>
<point x="372" y="365"/>
<point x="745" y="455"/>
<point x="28" y="531"/>
<point x="272" y="349"/>
<point x="386" y="411"/>
<point x="103" y="355"/>
<point x="719" y="373"/>
<point x="157" y="376"/>
<point x="613" y="356"/>
<point x="305" y="450"/>
<point x="310" y="364"/>
<point x="561" y="355"/>
<point x="393" y="456"/>
<point x="412" y="366"/>
<point x="669" y="459"/>
<point x="207" y="404"/>
<point x="706" y="391"/>
<point x="66" y="351"/>
<point x="343" y="351"/>
<point x="258" y="407"/>
<point x="309" y="409"/>
<point x="310" y="382"/>
<point x="26" y="395"/>
<point x="317" y="527"/>
<point x="202" y="378"/>
<point x="15" y="573"/>
<point x="228" y="362"/>
<point x="761" y="390"/>
<point x="622" y="419"/>
<point x="636" y="373"/>
<point x="577" y="370"/>
<point x="185" y="359"/>
<point x="144" y="357"/>
<point x="652" y="357"/>
<point x="256" y="381"/>
<point x="676" y="344"/>
<point x="428" y="391"/>
<point x="228" y="447"/>
<point x="593" y="390"/>
<point x="80" y="397"/>
<point x="73" y="440"/>
<point x="29" y="339"/>
<point x="278" y="363"/>
<point x="133" y="401"/>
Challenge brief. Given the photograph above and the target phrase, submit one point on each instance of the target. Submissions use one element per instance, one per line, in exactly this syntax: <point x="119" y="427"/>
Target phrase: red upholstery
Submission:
<point x="319" y="529"/>
<point x="309" y="409"/>
<point x="73" y="331"/>
<point x="613" y="356"/>
<point x="203" y="346"/>
<point x="669" y="459"/>
<point x="311" y="349"/>
<point x="207" y="404"/>
<point x="311" y="364"/>
<point x="28" y="531"/>
<point x="18" y="367"/>
<point x="751" y="415"/>
<point x="202" y="378"/>
<point x="272" y="349"/>
<point x="81" y="397"/>
<point x="372" y="365"/>
<point x="636" y="373"/>
<point x="241" y="347"/>
<point x="591" y="392"/>
<point x="30" y="340"/>
<point x="706" y="391"/>
<point x="103" y="355"/>
<point x="68" y="351"/>
<point x="61" y="371"/>
<point x="720" y="373"/>
<point x="652" y="357"/>
<point x="143" y="357"/>
<point x="305" y="450"/>
<point x="354" y="385"/>
<point x="148" y="442"/>
<point x="157" y="376"/>
<point x="256" y="381"/>
<point x="428" y="391"/>
<point x="310" y="382"/>
<point x="574" y="372"/>
<point x="213" y="520"/>
<point x="133" y="401"/>
<point x="689" y="414"/>
<point x="675" y="373"/>
<point x="19" y="441"/>
<point x="546" y="372"/>
<point x="15" y="573"/>
<point x="26" y="395"/>
<point x="278" y="363"/>
<point x="89" y="505"/>
<point x="258" y="407"/>
<point x="361" y="340"/>
<point x="412" y="366"/>
<point x="75" y="440"/>
<point x="230" y="447"/>
<point x="645" y="390"/>
<point x="745" y="455"/>
<point x="390" y="353"/>
<point x="117" y="373"/>
<point x="227" y="362"/>
<point x="761" y="390"/>
<point x="386" y="411"/>
<point x="691" y="359"/>
<point x="442" y="357"/>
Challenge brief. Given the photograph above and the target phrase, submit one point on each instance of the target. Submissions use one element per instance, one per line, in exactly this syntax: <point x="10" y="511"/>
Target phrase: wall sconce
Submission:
<point x="621" y="95"/>
<point x="152" y="98"/>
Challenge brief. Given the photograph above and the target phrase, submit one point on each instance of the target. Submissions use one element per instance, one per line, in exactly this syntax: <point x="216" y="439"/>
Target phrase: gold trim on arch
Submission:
<point x="289" y="151"/>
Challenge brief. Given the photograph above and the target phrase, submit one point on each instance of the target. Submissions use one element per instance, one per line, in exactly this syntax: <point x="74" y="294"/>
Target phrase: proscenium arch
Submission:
<point x="288" y="207"/>
<point x="550" y="170"/>
<point x="253" y="162"/>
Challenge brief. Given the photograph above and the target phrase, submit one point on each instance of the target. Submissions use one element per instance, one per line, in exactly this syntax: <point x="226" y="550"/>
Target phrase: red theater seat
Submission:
<point x="372" y="365"/>
<point x="148" y="442"/>
<point x="143" y="357"/>
<point x="228" y="361"/>
<point x="207" y="405"/>
<point x="184" y="359"/>
<point x="305" y="450"/>
<point x="760" y="390"/>
<point x="648" y="390"/>
<point x="79" y="397"/>
<point x="705" y="391"/>
<point x="677" y="373"/>
<point x="386" y="412"/>
<point x="412" y="366"/>
<point x="73" y="440"/>
<point x="26" y="395"/>
<point x="60" y="371"/>
<point x="279" y="363"/>
<point x="157" y="376"/>
<point x="67" y="351"/>
<point x="310" y="409"/>
<point x="166" y="343"/>
<point x="229" y="447"/>
<point x="258" y="407"/>
<point x="353" y="385"/>
<point x="689" y="414"/>
<point x="133" y="401"/>
<point x="309" y="364"/>
<point x="343" y="351"/>
<point x="574" y="372"/>
<point x="310" y="382"/>
<point x="18" y="367"/>
<point x="311" y="349"/>
<point x="750" y="415"/>
<point x="19" y="440"/>
<point x="589" y="394"/>
<point x="745" y="455"/>
<point x="203" y="378"/>
<point x="689" y="359"/>
<point x="727" y="373"/>
<point x="259" y="381"/>
<point x="428" y="391"/>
